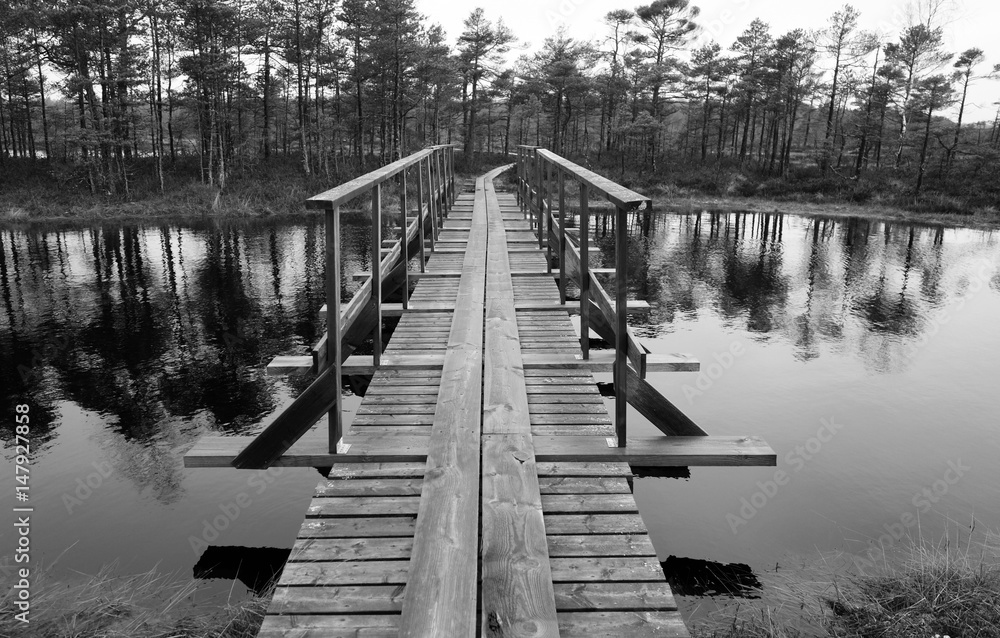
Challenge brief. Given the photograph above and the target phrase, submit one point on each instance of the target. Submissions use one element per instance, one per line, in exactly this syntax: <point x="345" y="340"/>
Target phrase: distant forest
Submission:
<point x="105" y="93"/>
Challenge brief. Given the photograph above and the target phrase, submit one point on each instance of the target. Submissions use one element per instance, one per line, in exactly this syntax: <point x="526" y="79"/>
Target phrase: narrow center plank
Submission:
<point x="517" y="593"/>
<point x="441" y="586"/>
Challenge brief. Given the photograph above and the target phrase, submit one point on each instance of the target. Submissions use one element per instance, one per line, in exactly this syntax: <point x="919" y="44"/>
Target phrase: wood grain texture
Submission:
<point x="443" y="574"/>
<point x="517" y="597"/>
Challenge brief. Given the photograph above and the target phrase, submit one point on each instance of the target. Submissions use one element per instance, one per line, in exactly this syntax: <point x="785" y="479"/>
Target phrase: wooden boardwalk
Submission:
<point x="562" y="547"/>
<point x="482" y="493"/>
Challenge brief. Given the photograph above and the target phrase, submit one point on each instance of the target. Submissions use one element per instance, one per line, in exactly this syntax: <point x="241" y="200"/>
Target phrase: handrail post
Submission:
<point x="377" y="272"/>
<point x="420" y="211"/>
<point x="562" y="236"/>
<point x="548" y="219"/>
<point x="585" y="269"/>
<point x="621" y="328"/>
<point x="431" y="209"/>
<point x="517" y="178"/>
<point x="451" y="154"/>
<point x="541" y="197"/>
<point x="404" y="240"/>
<point x="440" y="186"/>
<point x="335" y="426"/>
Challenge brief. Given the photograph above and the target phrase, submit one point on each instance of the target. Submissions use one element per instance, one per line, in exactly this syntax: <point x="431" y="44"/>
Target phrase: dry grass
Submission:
<point x="934" y="590"/>
<point x="149" y="605"/>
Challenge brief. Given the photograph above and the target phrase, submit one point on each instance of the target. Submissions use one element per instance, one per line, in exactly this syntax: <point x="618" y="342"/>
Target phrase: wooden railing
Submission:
<point x="433" y="170"/>
<point x="542" y="176"/>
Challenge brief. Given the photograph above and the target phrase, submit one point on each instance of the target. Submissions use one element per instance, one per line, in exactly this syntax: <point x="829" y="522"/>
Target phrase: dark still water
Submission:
<point x="865" y="353"/>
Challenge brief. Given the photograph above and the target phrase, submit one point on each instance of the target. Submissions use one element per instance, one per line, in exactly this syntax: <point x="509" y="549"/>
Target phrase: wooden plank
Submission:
<point x="290" y="365"/>
<point x="330" y="626"/>
<point x="634" y="624"/>
<point x="354" y="600"/>
<point x="615" y="596"/>
<point x="353" y="506"/>
<point x="375" y="572"/>
<point x="660" y="451"/>
<point x="603" y="360"/>
<point x="517" y="597"/>
<point x="359" y="527"/>
<point x="583" y="485"/>
<point x="594" y="524"/>
<point x="606" y="569"/>
<point x="443" y="575"/>
<point x="593" y="545"/>
<point x="391" y="548"/>
<point x="588" y="503"/>
<point x="573" y="307"/>
<point x="370" y="487"/>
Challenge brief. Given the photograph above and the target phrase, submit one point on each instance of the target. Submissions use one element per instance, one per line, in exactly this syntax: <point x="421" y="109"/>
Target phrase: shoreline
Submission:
<point x="690" y="203"/>
<point x="126" y="213"/>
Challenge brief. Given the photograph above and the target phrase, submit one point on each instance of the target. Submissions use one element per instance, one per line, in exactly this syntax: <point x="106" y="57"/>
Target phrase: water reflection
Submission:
<point x="162" y="330"/>
<point x="856" y="282"/>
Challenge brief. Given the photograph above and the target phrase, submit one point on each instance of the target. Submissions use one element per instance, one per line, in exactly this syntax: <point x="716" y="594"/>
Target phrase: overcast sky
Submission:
<point x="971" y="23"/>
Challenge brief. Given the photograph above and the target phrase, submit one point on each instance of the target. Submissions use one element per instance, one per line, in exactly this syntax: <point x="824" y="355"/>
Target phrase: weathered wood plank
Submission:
<point x="358" y="527"/>
<point x="330" y="626"/>
<point x="443" y="574"/>
<point x="339" y="549"/>
<point x="594" y="524"/>
<point x="614" y="596"/>
<point x="634" y="624"/>
<point x="353" y="599"/>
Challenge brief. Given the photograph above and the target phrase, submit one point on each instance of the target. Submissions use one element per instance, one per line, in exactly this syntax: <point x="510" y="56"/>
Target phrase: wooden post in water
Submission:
<point x="335" y="427"/>
<point x="621" y="327"/>
<point x="377" y="272"/>
<point x="585" y="269"/>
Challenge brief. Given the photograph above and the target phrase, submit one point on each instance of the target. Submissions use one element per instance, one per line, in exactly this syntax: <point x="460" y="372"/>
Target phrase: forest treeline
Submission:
<point x="117" y="96"/>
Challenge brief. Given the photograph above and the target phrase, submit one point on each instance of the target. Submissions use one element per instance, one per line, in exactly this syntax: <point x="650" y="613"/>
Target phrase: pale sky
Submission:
<point x="971" y="23"/>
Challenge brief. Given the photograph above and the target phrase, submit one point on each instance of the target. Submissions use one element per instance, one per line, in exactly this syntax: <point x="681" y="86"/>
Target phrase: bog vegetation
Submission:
<point x="125" y="101"/>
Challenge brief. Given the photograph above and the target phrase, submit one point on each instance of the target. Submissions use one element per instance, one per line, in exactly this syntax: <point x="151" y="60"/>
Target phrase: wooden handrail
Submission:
<point x="363" y="314"/>
<point x="616" y="194"/>
<point x="539" y="172"/>
<point x="361" y="185"/>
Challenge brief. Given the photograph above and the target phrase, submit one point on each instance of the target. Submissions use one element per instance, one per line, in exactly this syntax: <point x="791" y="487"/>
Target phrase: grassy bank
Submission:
<point x="934" y="590"/>
<point x="39" y="191"/>
<point x="958" y="199"/>
<point x="150" y="605"/>
<point x="984" y="219"/>
<point x="42" y="191"/>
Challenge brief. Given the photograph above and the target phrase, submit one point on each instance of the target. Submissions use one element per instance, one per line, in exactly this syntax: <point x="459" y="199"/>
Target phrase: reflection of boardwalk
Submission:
<point x="479" y="494"/>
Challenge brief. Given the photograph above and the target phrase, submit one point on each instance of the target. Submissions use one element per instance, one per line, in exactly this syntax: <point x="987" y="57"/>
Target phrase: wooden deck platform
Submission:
<point x="481" y="494"/>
